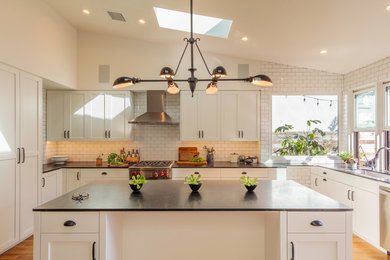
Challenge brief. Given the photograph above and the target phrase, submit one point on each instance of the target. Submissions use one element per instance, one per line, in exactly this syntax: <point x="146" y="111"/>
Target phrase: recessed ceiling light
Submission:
<point x="141" y="21"/>
<point x="324" y="52"/>
<point x="244" y="38"/>
<point x="388" y="8"/>
<point x="85" y="11"/>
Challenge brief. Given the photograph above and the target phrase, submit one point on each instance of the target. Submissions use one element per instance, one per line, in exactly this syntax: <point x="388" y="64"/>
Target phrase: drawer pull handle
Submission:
<point x="325" y="173"/>
<point x="243" y="173"/>
<point x="196" y="172"/>
<point x="324" y="179"/>
<point x="316" y="223"/>
<point x="69" y="223"/>
<point x="104" y="173"/>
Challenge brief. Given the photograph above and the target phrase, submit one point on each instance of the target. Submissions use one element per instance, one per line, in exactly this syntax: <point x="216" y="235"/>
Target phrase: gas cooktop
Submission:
<point x="153" y="164"/>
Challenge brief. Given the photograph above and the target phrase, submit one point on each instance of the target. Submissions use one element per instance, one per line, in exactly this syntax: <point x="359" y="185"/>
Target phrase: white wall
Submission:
<point x="34" y="38"/>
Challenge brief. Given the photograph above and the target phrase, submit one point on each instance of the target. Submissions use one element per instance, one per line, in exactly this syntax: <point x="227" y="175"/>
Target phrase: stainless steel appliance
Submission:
<point x="152" y="170"/>
<point x="384" y="215"/>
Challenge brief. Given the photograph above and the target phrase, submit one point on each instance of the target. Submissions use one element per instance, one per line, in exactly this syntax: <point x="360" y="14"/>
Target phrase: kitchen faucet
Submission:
<point x="372" y="163"/>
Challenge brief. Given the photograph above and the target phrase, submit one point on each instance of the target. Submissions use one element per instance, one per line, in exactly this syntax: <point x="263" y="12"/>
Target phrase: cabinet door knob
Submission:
<point x="316" y="223"/>
<point x="69" y="223"/>
<point x="104" y="173"/>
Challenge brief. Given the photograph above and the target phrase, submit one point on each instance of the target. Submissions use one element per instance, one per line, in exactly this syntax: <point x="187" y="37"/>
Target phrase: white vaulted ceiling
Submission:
<point x="354" y="32"/>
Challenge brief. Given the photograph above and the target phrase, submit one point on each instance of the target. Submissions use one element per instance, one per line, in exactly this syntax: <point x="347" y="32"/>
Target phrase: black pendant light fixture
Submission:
<point x="167" y="74"/>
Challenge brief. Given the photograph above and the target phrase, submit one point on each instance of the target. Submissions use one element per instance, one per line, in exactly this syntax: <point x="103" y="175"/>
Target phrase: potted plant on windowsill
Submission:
<point x="348" y="159"/>
<point x="136" y="182"/>
<point x="193" y="181"/>
<point x="250" y="184"/>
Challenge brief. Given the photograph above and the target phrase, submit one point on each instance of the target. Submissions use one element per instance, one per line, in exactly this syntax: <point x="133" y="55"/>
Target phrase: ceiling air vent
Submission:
<point x="116" y="16"/>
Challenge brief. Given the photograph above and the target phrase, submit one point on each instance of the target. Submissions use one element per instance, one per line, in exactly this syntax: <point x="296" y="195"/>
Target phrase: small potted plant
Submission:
<point x="194" y="182"/>
<point x="348" y="159"/>
<point x="250" y="184"/>
<point x="136" y="182"/>
<point x="99" y="160"/>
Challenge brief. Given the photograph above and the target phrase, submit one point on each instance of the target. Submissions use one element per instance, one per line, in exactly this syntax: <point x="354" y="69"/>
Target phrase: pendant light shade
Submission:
<point x="167" y="73"/>
<point x="212" y="88"/>
<point x="219" y="72"/>
<point x="123" y="82"/>
<point x="173" y="88"/>
<point x="261" y="80"/>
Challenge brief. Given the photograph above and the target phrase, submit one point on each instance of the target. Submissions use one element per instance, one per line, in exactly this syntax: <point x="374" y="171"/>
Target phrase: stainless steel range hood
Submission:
<point x="155" y="112"/>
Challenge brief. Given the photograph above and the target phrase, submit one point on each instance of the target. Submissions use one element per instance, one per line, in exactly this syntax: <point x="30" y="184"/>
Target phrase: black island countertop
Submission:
<point x="171" y="195"/>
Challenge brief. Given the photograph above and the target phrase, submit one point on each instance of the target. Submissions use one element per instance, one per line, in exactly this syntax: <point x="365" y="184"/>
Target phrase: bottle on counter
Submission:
<point x="136" y="153"/>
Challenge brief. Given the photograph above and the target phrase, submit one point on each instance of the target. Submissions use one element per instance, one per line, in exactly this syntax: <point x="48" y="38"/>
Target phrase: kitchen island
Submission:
<point x="279" y="220"/>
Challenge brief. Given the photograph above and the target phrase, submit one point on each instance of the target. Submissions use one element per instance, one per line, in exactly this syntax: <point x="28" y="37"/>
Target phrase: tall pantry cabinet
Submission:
<point x="20" y="136"/>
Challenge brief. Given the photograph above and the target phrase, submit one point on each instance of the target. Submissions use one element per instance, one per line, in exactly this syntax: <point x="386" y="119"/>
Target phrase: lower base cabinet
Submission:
<point x="69" y="246"/>
<point x="51" y="185"/>
<point x="358" y="193"/>
<point x="316" y="246"/>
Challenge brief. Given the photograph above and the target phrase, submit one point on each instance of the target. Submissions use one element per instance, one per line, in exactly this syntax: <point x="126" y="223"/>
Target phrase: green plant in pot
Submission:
<point x="136" y="182"/>
<point x="193" y="181"/>
<point x="250" y="184"/>
<point x="347" y="157"/>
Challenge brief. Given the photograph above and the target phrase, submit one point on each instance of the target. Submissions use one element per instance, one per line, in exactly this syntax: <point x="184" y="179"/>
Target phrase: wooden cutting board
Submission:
<point x="187" y="153"/>
<point x="191" y="163"/>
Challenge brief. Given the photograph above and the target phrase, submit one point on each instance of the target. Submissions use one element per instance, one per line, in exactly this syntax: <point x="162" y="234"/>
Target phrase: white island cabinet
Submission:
<point x="280" y="220"/>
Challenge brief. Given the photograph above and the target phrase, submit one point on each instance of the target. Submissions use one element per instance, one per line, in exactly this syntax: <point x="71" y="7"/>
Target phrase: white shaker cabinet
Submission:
<point x="199" y="116"/>
<point x="9" y="188"/>
<point x="88" y="115"/>
<point x="51" y="185"/>
<point x="317" y="246"/>
<point x="69" y="246"/>
<point x="20" y="129"/>
<point x="240" y="115"/>
<point x="65" y="115"/>
<point x="73" y="179"/>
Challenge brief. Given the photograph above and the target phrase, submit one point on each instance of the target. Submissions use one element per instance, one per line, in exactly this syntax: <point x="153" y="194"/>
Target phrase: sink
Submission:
<point x="370" y="173"/>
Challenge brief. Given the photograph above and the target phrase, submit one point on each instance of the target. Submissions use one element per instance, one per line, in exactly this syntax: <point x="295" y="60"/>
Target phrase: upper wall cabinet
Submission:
<point x="227" y="116"/>
<point x="240" y="115"/>
<point x="88" y="115"/>
<point x="199" y="117"/>
<point x="65" y="116"/>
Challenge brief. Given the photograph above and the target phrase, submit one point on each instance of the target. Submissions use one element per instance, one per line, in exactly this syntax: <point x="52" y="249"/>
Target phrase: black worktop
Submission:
<point x="230" y="165"/>
<point x="87" y="165"/>
<point x="171" y="195"/>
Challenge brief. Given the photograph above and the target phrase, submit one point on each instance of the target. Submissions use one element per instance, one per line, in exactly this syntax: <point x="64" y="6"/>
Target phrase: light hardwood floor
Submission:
<point x="361" y="251"/>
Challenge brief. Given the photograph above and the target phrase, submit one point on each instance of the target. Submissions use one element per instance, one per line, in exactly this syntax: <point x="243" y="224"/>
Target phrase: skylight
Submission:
<point x="205" y="25"/>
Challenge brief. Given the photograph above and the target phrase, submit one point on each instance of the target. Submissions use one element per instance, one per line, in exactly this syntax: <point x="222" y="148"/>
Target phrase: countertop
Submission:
<point x="173" y="195"/>
<point x="230" y="165"/>
<point x="52" y="167"/>
<point x="341" y="167"/>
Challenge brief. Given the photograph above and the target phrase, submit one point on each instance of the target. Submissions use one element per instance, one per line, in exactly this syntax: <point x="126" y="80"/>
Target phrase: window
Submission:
<point x="365" y="144"/>
<point x="365" y="107"/>
<point x="205" y="25"/>
<point x="304" y="125"/>
<point x="387" y="113"/>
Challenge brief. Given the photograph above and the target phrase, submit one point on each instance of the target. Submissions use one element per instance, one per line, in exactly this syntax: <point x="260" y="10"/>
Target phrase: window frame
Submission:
<point x="358" y="92"/>
<point x="339" y="96"/>
<point x="385" y="106"/>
